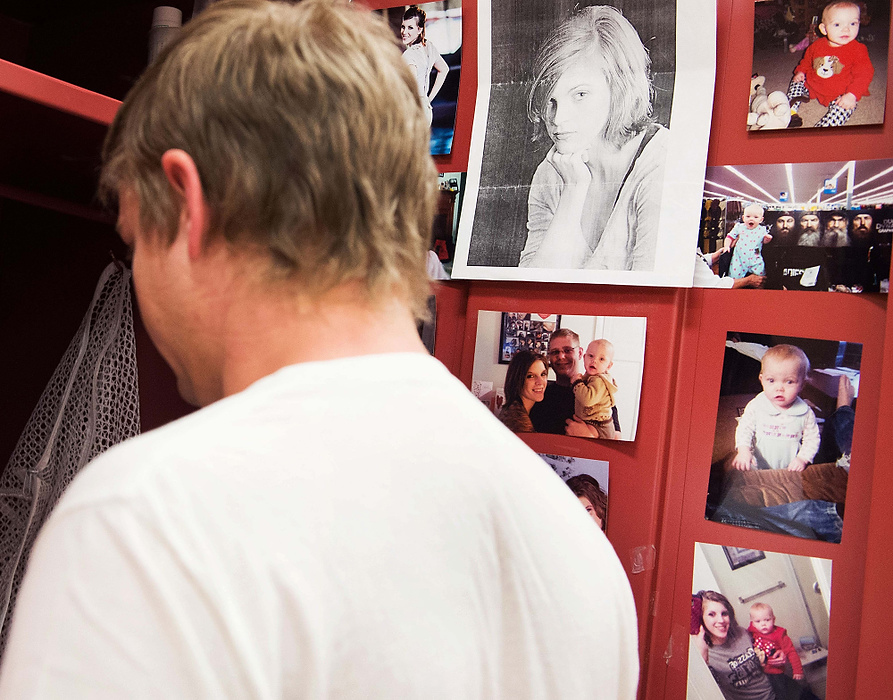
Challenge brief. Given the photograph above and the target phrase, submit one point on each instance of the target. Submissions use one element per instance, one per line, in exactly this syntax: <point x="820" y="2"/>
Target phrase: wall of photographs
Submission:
<point x="681" y="518"/>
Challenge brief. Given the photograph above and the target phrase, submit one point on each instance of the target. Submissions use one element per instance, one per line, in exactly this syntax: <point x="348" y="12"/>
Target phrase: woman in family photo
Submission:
<point x="728" y="649"/>
<point x="592" y="497"/>
<point x="525" y="384"/>
<point x="760" y="624"/>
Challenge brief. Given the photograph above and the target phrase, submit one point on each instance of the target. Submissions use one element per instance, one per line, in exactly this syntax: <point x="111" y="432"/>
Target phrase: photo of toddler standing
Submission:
<point x="746" y="241"/>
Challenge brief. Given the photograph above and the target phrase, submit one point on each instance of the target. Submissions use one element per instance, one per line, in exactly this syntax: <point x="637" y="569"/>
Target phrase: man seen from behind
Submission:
<point x="342" y="519"/>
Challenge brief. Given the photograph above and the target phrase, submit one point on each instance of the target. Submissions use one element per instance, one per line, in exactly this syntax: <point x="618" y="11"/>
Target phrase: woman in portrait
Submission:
<point x="525" y="383"/>
<point x="592" y="497"/>
<point x="422" y="56"/>
<point x="594" y="200"/>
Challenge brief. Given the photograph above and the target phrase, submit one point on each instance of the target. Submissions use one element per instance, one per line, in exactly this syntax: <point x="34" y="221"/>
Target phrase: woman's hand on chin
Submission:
<point x="564" y="245"/>
<point x="572" y="168"/>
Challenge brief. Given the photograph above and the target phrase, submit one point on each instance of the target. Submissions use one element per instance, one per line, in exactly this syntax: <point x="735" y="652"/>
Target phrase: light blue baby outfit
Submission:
<point x="747" y="256"/>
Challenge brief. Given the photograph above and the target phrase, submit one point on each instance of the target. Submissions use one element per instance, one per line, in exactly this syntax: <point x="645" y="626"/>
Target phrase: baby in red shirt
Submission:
<point x="835" y="69"/>
<point x="769" y="638"/>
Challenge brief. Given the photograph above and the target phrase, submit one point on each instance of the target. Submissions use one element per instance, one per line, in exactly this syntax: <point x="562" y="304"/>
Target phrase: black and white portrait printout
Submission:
<point x="589" y="141"/>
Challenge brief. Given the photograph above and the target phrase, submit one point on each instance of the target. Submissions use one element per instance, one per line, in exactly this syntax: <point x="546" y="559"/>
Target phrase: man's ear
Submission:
<point x="182" y="174"/>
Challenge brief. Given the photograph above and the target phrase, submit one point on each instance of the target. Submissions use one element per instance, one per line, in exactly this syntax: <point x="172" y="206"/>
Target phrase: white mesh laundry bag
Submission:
<point x="90" y="404"/>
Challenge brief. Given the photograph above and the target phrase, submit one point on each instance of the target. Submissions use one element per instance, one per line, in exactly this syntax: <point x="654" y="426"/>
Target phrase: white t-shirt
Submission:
<point x="421" y="58"/>
<point x="358" y="528"/>
<point x="704" y="275"/>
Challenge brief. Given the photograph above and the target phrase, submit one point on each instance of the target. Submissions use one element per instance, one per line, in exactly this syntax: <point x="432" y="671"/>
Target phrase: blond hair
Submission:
<point x="605" y="343"/>
<point x="839" y="3"/>
<point x="307" y="133"/>
<point x="603" y="33"/>
<point x="757" y="608"/>
<point x="780" y="353"/>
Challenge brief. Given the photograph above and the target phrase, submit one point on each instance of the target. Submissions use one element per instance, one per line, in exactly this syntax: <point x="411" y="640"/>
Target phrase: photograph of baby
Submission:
<point x="759" y="625"/>
<point x="805" y="226"/>
<point x="819" y="64"/>
<point x="589" y="140"/>
<point x="578" y="375"/>
<point x="784" y="434"/>
<point x="431" y="35"/>
<point x="588" y="479"/>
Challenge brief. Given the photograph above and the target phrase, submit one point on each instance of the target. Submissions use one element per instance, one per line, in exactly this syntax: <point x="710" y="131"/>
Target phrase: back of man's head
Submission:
<point x="308" y="136"/>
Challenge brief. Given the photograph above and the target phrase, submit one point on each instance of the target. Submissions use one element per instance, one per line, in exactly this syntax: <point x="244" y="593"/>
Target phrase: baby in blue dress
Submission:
<point x="747" y="239"/>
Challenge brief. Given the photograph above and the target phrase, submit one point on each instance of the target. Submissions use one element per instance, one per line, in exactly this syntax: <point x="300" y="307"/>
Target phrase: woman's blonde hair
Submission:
<point x="602" y="33"/>
<point x="307" y="133"/>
